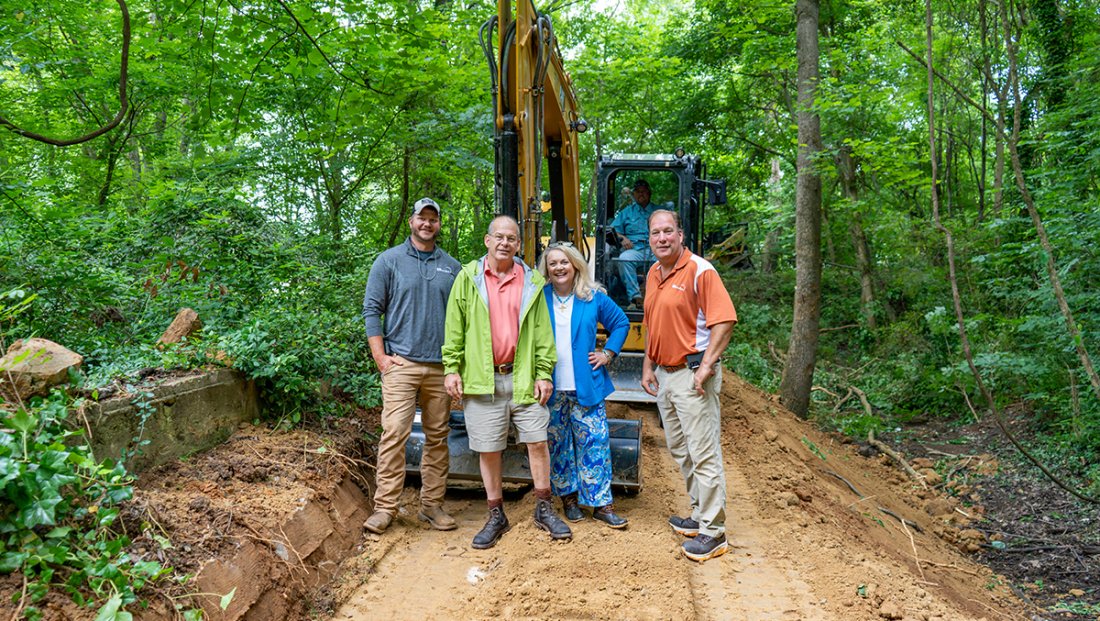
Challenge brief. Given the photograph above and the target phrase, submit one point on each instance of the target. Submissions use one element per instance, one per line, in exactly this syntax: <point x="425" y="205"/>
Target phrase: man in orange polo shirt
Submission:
<point x="688" y="319"/>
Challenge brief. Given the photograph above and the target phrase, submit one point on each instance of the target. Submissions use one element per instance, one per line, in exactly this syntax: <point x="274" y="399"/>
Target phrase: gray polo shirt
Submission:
<point x="406" y="300"/>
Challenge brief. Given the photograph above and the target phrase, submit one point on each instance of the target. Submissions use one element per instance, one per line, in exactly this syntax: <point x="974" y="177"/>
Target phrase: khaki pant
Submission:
<point x="693" y="433"/>
<point x="488" y="418"/>
<point x="401" y="385"/>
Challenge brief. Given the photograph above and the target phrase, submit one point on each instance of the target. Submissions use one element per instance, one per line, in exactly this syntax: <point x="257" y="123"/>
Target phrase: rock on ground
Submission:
<point x="184" y="325"/>
<point x="33" y="366"/>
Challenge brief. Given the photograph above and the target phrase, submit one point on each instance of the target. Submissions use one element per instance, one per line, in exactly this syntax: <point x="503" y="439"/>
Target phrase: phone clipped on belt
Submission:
<point x="694" y="360"/>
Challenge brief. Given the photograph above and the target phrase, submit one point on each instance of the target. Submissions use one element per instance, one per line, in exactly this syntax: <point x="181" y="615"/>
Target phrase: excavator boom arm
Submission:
<point x="536" y="123"/>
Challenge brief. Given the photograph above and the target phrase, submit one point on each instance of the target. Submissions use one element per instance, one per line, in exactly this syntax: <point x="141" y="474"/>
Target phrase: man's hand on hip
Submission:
<point x="702" y="374"/>
<point x="543" y="390"/>
<point x="626" y="243"/>
<point x="386" y="361"/>
<point x="453" y="384"/>
<point x="649" y="381"/>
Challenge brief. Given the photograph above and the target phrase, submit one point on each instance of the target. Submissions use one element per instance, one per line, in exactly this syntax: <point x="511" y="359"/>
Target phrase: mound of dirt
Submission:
<point x="853" y="519"/>
<point x="269" y="514"/>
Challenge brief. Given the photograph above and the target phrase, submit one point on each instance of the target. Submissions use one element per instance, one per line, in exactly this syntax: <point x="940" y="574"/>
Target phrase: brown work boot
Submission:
<point x="378" y="522"/>
<point x="607" y="515"/>
<point x="437" y="517"/>
<point x="570" y="508"/>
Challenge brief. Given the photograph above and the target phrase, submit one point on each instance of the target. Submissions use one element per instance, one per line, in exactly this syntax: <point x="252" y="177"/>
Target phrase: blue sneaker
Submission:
<point x="685" y="526"/>
<point x="705" y="547"/>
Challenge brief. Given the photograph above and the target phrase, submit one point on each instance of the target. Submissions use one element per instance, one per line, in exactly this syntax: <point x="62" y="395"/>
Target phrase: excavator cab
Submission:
<point x="676" y="182"/>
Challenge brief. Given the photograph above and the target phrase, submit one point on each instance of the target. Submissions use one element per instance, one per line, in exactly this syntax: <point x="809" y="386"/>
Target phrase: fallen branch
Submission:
<point x="896" y="457"/>
<point x="955" y="567"/>
<point x="913" y="544"/>
<point x="848" y="395"/>
<point x="825" y="390"/>
<point x="846" y="482"/>
<point x="781" y="359"/>
<point x="882" y="509"/>
<point x="904" y="522"/>
<point x="966" y="398"/>
<point x="123" y="99"/>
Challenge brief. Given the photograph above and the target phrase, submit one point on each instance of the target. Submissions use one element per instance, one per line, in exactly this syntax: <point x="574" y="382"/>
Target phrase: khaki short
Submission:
<point x="488" y="418"/>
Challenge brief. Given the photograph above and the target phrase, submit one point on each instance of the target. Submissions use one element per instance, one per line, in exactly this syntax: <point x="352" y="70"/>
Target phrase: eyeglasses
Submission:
<point x="560" y="245"/>
<point x="504" y="239"/>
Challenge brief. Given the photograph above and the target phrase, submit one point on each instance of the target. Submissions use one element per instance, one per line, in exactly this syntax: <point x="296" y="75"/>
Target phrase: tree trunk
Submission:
<point x="771" y="251"/>
<point x="798" y="373"/>
<point x="406" y="163"/>
<point x="849" y="187"/>
<point x="1013" y="141"/>
<point x="827" y="232"/>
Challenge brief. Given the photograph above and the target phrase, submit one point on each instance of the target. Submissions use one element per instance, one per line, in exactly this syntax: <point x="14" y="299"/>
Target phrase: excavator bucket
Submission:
<point x="626" y="454"/>
<point x="626" y="377"/>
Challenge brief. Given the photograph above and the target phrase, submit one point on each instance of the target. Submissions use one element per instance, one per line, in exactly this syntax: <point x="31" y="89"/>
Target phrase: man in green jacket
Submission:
<point x="499" y="355"/>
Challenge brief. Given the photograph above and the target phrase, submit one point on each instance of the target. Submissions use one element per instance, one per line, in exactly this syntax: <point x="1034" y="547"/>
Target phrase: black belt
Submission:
<point x="503" y="369"/>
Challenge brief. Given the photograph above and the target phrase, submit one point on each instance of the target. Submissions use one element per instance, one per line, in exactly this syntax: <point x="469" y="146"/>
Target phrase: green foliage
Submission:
<point x="298" y="356"/>
<point x="59" y="521"/>
<point x="751" y="365"/>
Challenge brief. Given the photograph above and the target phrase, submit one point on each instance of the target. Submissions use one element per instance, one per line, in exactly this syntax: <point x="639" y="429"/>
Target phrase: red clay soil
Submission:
<point x="268" y="513"/>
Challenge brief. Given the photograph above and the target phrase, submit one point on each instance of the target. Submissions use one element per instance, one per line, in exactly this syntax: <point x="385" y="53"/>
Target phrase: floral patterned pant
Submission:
<point x="580" y="450"/>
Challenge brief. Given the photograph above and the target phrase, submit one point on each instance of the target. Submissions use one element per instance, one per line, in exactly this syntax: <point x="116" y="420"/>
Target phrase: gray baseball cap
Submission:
<point x="423" y="203"/>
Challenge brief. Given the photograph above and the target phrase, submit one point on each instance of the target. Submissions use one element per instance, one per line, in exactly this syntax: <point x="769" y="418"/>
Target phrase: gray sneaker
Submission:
<point x="685" y="526"/>
<point x="705" y="547"/>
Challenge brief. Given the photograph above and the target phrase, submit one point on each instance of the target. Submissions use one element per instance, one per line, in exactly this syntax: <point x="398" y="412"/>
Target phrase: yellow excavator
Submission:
<point x="536" y="128"/>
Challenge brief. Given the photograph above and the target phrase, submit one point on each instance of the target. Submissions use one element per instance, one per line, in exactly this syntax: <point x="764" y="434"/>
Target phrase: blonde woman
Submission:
<point x="580" y="449"/>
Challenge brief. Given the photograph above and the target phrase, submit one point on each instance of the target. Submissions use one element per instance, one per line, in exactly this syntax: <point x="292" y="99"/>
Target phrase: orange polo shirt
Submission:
<point x="505" y="297"/>
<point x="681" y="309"/>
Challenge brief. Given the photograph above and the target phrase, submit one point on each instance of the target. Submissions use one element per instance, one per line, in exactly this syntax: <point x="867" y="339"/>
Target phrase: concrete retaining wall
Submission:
<point x="186" y="415"/>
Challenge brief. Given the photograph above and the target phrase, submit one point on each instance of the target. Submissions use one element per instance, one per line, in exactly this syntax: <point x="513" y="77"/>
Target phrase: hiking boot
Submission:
<point x="378" y="522"/>
<point x="570" y="508"/>
<point x="685" y="526"/>
<point x="705" y="547"/>
<point x="494" y="529"/>
<point x="547" y="520"/>
<point x="607" y="515"/>
<point x="437" y="517"/>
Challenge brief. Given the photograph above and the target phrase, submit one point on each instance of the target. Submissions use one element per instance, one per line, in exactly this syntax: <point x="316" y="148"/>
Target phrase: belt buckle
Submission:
<point x="504" y="369"/>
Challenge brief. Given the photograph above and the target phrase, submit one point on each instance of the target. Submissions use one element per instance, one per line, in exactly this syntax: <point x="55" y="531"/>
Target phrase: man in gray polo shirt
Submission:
<point x="404" y="309"/>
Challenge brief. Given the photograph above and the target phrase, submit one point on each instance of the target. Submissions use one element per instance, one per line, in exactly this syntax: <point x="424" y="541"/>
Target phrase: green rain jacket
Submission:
<point x="468" y="343"/>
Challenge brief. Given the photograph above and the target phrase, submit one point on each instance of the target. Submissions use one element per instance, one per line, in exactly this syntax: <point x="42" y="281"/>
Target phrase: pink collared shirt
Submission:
<point x="505" y="297"/>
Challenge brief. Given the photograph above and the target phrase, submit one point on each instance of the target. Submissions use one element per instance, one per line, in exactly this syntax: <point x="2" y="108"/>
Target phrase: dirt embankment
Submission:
<point x="805" y="545"/>
<point x="267" y="516"/>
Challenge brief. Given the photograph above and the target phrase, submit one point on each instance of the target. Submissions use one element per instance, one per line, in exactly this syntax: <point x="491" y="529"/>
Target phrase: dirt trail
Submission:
<point x="804" y="546"/>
